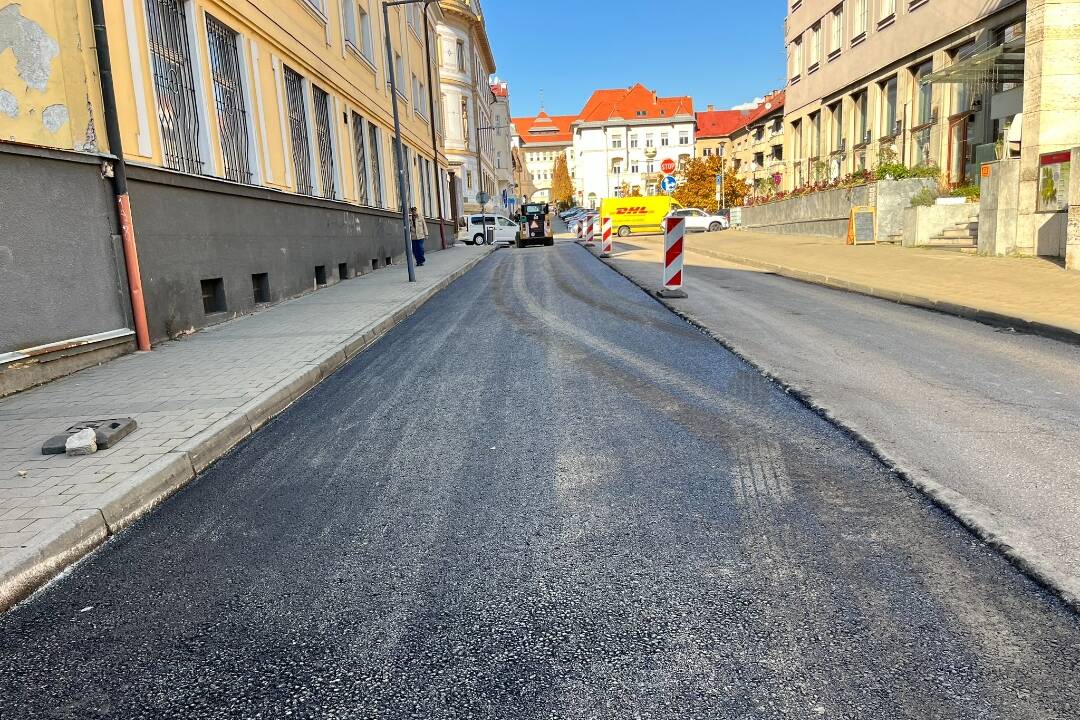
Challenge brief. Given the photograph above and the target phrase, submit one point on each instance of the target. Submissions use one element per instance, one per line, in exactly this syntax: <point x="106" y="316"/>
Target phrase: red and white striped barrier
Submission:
<point x="580" y="230"/>
<point x="605" y="237"/>
<point x="674" y="230"/>
<point x="590" y="233"/>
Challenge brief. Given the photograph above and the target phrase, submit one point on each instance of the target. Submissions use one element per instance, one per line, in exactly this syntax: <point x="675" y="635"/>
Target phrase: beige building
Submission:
<point x="953" y="84"/>
<point x="542" y="140"/>
<point x="758" y="146"/>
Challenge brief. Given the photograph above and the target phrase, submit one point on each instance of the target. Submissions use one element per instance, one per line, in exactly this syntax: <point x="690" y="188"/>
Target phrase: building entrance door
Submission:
<point x="958" y="149"/>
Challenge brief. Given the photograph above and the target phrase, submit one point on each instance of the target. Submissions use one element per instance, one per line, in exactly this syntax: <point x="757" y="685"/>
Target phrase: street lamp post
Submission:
<point x="480" y="173"/>
<point x="399" y="155"/>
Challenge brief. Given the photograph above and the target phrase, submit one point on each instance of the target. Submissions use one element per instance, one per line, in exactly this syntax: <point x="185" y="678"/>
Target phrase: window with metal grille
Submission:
<point x="229" y="98"/>
<point x="322" y="137"/>
<point x="174" y="85"/>
<point x="298" y="132"/>
<point x="361" y="159"/>
<point x="376" y="166"/>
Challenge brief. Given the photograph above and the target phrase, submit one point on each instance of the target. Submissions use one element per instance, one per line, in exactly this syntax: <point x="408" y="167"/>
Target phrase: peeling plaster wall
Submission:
<point x="48" y="79"/>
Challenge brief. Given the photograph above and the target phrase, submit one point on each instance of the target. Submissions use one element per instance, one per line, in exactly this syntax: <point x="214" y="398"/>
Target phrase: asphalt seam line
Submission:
<point x="971" y="515"/>
<point x="27" y="570"/>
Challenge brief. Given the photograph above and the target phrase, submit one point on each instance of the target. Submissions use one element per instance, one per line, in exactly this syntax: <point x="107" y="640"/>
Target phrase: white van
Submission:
<point x="471" y="229"/>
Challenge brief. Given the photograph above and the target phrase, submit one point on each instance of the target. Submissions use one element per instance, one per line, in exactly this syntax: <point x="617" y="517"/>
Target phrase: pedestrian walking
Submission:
<point x="419" y="234"/>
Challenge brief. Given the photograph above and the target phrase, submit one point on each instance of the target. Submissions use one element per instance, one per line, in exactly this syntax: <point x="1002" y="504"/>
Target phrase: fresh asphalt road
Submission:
<point x="988" y="414"/>
<point x="544" y="496"/>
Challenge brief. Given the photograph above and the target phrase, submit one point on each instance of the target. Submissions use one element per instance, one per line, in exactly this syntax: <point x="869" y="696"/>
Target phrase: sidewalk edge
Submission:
<point x="973" y="516"/>
<point x="26" y="570"/>
<point x="980" y="315"/>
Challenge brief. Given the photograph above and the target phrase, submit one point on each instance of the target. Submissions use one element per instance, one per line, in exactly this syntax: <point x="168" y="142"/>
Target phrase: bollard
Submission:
<point x="605" y="237"/>
<point x="579" y="230"/>
<point x="591" y="233"/>
<point x="674" y="230"/>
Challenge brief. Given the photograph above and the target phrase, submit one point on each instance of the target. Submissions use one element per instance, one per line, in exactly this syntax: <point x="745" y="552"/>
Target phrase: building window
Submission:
<point x="862" y="124"/>
<point x="663" y="139"/>
<point x="229" y="100"/>
<point x="324" y="141"/>
<point x="706" y="152"/>
<point x="858" y="21"/>
<point x="465" y="120"/>
<point x="298" y="131"/>
<point x="633" y="141"/>
<point x="839" y="142"/>
<point x="648" y="140"/>
<point x="796" y="59"/>
<point x="815" y="48"/>
<point x="360" y="159"/>
<point x="650" y="168"/>
<point x="888" y="10"/>
<point x="366" y="44"/>
<point x="373" y="151"/>
<point x="684" y="138"/>
<point x="889" y="126"/>
<point x="924" y="94"/>
<point x="616" y="169"/>
<point x="962" y="92"/>
<point x="348" y="22"/>
<point x="634" y="168"/>
<point x="399" y="75"/>
<point x="174" y="85"/>
<point x="836" y="28"/>
<point x="616" y="142"/>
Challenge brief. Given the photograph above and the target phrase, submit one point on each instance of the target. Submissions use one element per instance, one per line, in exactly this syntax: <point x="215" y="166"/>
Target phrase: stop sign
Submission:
<point x="668" y="166"/>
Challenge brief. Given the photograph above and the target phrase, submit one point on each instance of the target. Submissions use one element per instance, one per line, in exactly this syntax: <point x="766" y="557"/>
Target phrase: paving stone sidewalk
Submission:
<point x="192" y="398"/>
<point x="1033" y="294"/>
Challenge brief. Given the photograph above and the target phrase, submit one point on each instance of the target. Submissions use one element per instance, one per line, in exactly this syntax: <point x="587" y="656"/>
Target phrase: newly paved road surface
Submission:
<point x="990" y="414"/>
<point x="544" y="496"/>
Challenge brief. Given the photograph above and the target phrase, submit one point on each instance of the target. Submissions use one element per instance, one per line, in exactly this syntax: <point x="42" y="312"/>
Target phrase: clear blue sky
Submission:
<point x="719" y="52"/>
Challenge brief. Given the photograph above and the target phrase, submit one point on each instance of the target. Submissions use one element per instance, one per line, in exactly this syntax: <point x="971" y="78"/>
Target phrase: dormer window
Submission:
<point x="641" y="113"/>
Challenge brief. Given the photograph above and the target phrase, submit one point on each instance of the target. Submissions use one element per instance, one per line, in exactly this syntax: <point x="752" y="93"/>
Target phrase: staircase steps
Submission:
<point x="961" y="235"/>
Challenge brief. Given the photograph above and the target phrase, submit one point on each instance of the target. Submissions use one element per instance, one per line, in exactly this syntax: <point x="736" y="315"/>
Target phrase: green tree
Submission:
<point x="562" y="190"/>
<point x="697" y="183"/>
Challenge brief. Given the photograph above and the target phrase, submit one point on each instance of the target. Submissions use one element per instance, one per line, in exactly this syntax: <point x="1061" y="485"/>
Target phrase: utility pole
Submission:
<point x="398" y="153"/>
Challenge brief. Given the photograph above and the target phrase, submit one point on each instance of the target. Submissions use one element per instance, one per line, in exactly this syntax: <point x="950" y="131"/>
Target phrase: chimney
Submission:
<point x="710" y="108"/>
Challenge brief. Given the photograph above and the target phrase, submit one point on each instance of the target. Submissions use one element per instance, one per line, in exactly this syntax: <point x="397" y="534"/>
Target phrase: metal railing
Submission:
<point x="361" y="159"/>
<point x="170" y="58"/>
<point x="298" y="133"/>
<point x="229" y="100"/>
<point x="322" y="137"/>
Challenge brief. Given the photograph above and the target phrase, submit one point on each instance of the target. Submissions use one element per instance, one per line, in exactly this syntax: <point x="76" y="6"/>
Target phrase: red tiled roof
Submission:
<point x="719" y="123"/>
<point x="544" y="128"/>
<point x="636" y="102"/>
<point x="772" y="102"/>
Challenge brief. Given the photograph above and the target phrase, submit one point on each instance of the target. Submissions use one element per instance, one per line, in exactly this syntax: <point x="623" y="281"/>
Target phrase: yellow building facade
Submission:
<point x="258" y="139"/>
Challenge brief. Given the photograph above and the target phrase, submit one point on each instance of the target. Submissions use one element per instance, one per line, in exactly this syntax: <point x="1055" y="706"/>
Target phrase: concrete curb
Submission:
<point x="980" y="315"/>
<point x="1008" y="540"/>
<point x="26" y="570"/>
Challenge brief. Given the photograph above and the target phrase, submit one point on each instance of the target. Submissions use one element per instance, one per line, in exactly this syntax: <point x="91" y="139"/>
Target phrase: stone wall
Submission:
<point x="998" y="207"/>
<point x="827" y="213"/>
<point x="922" y="223"/>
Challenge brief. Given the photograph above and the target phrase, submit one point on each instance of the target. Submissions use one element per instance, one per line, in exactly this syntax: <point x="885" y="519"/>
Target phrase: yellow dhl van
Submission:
<point x="642" y="215"/>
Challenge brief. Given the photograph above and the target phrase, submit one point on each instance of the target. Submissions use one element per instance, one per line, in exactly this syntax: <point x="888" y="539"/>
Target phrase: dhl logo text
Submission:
<point x="632" y="211"/>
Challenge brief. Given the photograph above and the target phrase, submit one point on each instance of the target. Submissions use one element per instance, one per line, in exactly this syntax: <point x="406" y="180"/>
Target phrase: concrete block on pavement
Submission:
<point x="83" y="442"/>
<point x="328" y="365"/>
<point x="216" y="440"/>
<point x="142" y="491"/>
<point x="71" y="537"/>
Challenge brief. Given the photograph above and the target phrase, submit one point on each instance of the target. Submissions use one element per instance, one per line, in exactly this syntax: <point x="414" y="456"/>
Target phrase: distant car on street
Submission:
<point x="471" y="231"/>
<point x="701" y="221"/>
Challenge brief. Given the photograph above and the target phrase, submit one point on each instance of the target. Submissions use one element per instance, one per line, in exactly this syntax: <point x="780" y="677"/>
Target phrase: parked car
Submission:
<point x="582" y="221"/>
<point x="472" y="233"/>
<point x="701" y="221"/>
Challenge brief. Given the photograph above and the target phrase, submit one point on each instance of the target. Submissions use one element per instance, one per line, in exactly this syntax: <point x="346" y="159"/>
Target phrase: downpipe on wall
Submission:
<point x="119" y="177"/>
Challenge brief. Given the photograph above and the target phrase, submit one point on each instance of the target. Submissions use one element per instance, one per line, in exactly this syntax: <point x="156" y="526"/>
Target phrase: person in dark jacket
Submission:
<point x="419" y="234"/>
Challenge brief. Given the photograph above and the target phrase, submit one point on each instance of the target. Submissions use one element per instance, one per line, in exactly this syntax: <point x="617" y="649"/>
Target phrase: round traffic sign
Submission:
<point x="669" y="183"/>
<point x="482" y="197"/>
<point x="668" y="166"/>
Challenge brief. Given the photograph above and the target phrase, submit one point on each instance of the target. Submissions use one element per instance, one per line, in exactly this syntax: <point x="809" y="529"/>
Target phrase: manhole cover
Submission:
<point x="108" y="432"/>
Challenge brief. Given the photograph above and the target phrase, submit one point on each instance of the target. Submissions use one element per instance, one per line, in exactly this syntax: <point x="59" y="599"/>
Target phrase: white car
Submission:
<point x="471" y="229"/>
<point x="701" y="221"/>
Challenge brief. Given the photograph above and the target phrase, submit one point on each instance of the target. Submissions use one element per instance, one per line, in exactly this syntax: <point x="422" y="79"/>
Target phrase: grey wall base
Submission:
<point x="192" y="229"/>
<point x="24" y="374"/>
